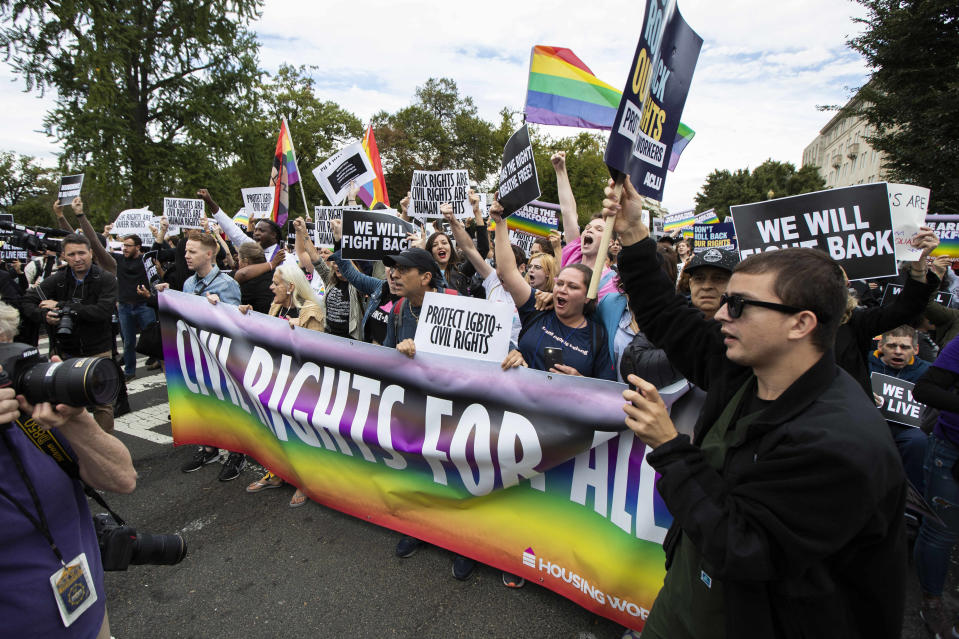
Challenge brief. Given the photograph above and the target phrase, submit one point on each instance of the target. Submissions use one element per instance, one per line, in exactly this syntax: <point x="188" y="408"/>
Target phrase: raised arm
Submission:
<point x="61" y="218"/>
<point x="506" y="268"/>
<point x="465" y="244"/>
<point x="102" y="257"/>
<point x="233" y="232"/>
<point x="361" y="281"/>
<point x="306" y="252"/>
<point x="567" y="203"/>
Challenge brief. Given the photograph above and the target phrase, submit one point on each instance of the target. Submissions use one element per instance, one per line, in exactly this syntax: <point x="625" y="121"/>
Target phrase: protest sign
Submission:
<point x="523" y="240"/>
<point x="153" y="275"/>
<point x="372" y="235"/>
<point x="673" y="223"/>
<point x="69" y="188"/>
<point x="657" y="229"/>
<point x="464" y="327"/>
<point x="898" y="404"/>
<point x="908" y="206"/>
<point x="258" y="202"/>
<point x="946" y="228"/>
<point x="892" y="290"/>
<point x="430" y="189"/>
<point x="536" y="218"/>
<point x="518" y="181"/>
<point x="851" y="224"/>
<point x="643" y="133"/>
<point x="721" y="236"/>
<point x="183" y="212"/>
<point x="350" y="164"/>
<point x="9" y="253"/>
<point x="291" y="237"/>
<point x="458" y="456"/>
<point x="135" y="222"/>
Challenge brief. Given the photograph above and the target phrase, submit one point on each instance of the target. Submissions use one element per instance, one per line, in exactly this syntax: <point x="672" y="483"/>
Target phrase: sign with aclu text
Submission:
<point x="464" y="327"/>
<point x="350" y="164"/>
<point x="898" y="404"/>
<point x="721" y="236"/>
<point x="851" y="224"/>
<point x="641" y="140"/>
<point x="430" y="189"/>
<point x="372" y="235"/>
<point x="518" y="182"/>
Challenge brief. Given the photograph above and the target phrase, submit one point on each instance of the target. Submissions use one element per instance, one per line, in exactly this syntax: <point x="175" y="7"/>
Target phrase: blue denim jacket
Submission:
<point x="220" y="284"/>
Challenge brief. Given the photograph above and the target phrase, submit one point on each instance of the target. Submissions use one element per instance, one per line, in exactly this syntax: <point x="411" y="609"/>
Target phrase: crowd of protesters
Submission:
<point x="787" y="487"/>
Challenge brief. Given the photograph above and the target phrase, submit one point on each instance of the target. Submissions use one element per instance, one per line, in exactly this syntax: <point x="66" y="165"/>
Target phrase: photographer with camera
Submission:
<point x="52" y="576"/>
<point x="78" y="303"/>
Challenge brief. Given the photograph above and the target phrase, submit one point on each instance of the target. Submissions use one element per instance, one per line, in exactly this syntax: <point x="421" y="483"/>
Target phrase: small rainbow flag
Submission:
<point x="375" y="190"/>
<point x="242" y="218"/>
<point x="684" y="136"/>
<point x="283" y="175"/>
<point x="563" y="91"/>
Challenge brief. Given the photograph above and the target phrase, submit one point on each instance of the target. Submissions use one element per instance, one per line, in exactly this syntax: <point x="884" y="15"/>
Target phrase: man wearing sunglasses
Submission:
<point x="788" y="502"/>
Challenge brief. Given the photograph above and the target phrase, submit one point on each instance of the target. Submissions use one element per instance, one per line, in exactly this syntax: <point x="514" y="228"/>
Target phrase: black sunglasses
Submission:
<point x="736" y="303"/>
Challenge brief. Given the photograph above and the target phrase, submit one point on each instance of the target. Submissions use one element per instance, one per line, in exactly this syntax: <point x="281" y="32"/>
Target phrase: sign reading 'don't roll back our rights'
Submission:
<point x="852" y="224"/>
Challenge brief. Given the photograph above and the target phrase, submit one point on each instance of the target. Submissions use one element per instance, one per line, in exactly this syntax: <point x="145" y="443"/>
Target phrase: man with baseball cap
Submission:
<point x="413" y="273"/>
<point x="709" y="273"/>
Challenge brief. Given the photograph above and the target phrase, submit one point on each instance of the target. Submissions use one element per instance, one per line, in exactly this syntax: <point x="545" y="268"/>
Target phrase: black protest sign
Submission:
<point x="518" y="181"/>
<point x="149" y="265"/>
<point x="372" y="235"/>
<point x="69" y="188"/>
<point x="6" y="218"/>
<point x="291" y="233"/>
<point x="641" y="140"/>
<point x="721" y="236"/>
<point x="892" y="290"/>
<point x="898" y="404"/>
<point x="322" y="230"/>
<point x="430" y="189"/>
<point x="9" y="253"/>
<point x="852" y="224"/>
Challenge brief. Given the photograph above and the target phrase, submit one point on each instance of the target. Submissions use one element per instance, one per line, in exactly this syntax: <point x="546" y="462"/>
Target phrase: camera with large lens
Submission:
<point x="66" y="322"/>
<point x="78" y="381"/>
<point x="121" y="546"/>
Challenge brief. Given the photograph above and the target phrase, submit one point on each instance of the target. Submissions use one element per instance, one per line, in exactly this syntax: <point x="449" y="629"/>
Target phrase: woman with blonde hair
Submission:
<point x="294" y="301"/>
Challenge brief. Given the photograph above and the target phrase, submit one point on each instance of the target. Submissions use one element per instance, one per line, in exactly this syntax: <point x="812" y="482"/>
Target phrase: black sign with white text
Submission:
<point x="892" y="290"/>
<point x="898" y="404"/>
<point x="372" y="235"/>
<point x="518" y="181"/>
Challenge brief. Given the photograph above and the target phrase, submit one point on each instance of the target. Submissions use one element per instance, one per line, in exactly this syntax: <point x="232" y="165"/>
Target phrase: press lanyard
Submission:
<point x="42" y="526"/>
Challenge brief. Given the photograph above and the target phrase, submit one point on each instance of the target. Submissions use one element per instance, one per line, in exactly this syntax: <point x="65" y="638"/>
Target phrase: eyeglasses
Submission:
<point x="735" y="304"/>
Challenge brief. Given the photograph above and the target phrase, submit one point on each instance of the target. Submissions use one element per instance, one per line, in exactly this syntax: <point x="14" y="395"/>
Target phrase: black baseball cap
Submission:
<point x="717" y="258"/>
<point x="417" y="258"/>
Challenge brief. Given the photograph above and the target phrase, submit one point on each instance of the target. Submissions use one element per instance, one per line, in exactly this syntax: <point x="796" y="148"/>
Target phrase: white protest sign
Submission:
<point x="258" y="201"/>
<point x="430" y="189"/>
<point x="350" y="164"/>
<point x="183" y="212"/>
<point x="523" y="240"/>
<point x="69" y="188"/>
<point x="322" y="216"/>
<point x="908" y="206"/>
<point x="464" y="327"/>
<point x="135" y="222"/>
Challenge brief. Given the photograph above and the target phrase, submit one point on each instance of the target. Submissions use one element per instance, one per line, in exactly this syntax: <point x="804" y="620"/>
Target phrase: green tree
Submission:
<point x="148" y="93"/>
<point x="724" y="188"/>
<point x="912" y="98"/>
<point x="584" y="164"/>
<point x="440" y="130"/>
<point x="27" y="190"/>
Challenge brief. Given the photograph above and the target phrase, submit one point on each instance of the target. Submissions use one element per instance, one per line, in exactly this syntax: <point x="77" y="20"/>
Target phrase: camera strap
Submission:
<point x="46" y="441"/>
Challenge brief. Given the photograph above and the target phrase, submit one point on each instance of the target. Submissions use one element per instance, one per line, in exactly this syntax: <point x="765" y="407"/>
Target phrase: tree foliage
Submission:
<point x="584" y="164"/>
<point x="724" y="188"/>
<point x="912" y="98"/>
<point x="27" y="189"/>
<point x="148" y="92"/>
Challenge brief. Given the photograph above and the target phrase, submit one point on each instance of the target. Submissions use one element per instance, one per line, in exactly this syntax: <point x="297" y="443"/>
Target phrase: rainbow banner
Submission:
<point x="536" y="218"/>
<point x="525" y="471"/>
<point x="283" y="175"/>
<point x="684" y="135"/>
<point x="375" y="190"/>
<point x="946" y="228"/>
<point x="675" y="222"/>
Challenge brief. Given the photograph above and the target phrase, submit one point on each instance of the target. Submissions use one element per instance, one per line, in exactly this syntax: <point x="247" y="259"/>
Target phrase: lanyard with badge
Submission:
<point x="72" y="584"/>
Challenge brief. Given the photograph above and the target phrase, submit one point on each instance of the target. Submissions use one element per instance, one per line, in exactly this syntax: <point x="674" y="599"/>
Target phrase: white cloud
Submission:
<point x="763" y="70"/>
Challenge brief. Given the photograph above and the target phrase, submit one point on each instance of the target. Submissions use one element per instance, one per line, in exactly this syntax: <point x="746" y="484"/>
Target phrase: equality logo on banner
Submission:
<point x="852" y="224"/>
<point x="431" y="189"/>
<point x="641" y="141"/>
<point x="372" y="235"/>
<point x="518" y="181"/>
<point x="469" y="458"/>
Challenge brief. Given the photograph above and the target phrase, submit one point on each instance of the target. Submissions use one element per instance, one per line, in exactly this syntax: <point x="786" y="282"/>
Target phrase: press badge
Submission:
<point x="73" y="589"/>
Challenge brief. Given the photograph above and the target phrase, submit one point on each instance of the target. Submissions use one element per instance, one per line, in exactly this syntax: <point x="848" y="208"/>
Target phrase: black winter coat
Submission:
<point x="804" y="524"/>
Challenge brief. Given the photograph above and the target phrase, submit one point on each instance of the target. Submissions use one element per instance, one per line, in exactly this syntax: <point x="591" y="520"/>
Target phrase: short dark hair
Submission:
<point x="587" y="272"/>
<point x="277" y="231"/>
<point x="520" y="255"/>
<point x="75" y="238"/>
<point x="544" y="245"/>
<point x="133" y="238"/>
<point x="808" y="279"/>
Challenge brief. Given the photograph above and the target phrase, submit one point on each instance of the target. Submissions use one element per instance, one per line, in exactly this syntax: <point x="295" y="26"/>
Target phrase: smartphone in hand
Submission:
<point x="552" y="356"/>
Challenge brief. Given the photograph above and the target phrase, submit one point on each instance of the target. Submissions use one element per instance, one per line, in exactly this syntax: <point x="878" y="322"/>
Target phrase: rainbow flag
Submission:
<point x="242" y="218"/>
<point x="284" y="174"/>
<point x="563" y="91"/>
<point x="684" y="136"/>
<point x="375" y="190"/>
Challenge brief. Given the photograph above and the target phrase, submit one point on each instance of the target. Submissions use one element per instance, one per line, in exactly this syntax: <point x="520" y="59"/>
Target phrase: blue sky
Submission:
<point x="764" y="67"/>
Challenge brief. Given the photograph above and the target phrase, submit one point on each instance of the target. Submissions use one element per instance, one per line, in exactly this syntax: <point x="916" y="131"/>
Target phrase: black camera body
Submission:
<point x="78" y="381"/>
<point x="121" y="546"/>
<point x="67" y="321"/>
<point x="36" y="240"/>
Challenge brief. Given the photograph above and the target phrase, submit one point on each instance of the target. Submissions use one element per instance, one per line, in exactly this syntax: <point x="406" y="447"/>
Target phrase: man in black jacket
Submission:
<point x="87" y="295"/>
<point x="788" y="504"/>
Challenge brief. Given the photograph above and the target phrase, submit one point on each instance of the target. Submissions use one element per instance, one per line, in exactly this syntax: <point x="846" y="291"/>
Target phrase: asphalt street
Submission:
<point x="257" y="568"/>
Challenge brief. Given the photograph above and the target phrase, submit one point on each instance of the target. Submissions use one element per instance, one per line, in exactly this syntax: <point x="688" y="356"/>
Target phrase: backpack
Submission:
<point x="396" y="313"/>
